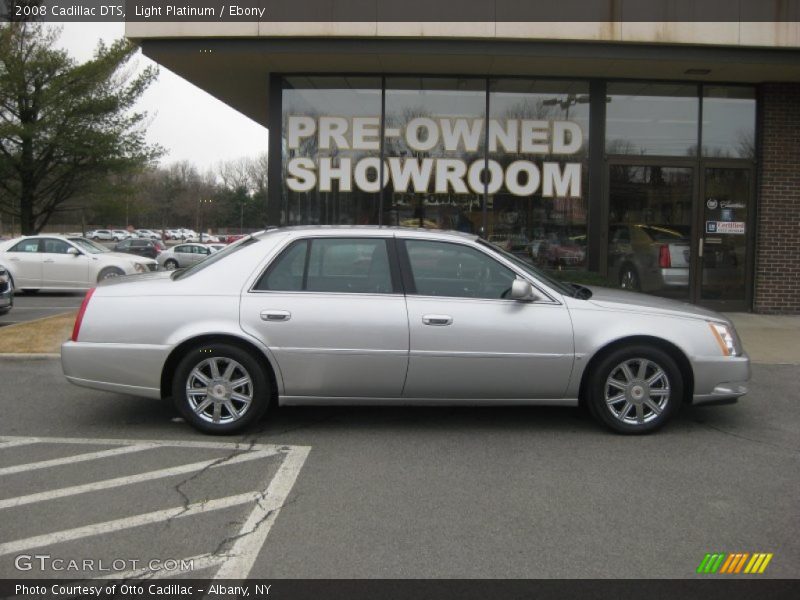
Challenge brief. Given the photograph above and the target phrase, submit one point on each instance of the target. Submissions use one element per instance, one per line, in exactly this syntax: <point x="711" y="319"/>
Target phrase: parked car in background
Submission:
<point x="6" y="292"/>
<point x="322" y="316"/>
<point x="183" y="255"/>
<point x="55" y="262"/>
<point x="648" y="258"/>
<point x="229" y="239"/>
<point x="141" y="247"/>
<point x="148" y="234"/>
<point x="122" y="234"/>
<point x="203" y="238"/>
<point x="103" y="235"/>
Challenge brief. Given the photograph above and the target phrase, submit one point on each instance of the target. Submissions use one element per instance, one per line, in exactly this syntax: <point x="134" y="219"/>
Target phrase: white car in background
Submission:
<point x="103" y="235"/>
<point x="56" y="262"/>
<point x="148" y="234"/>
<point x="122" y="234"/>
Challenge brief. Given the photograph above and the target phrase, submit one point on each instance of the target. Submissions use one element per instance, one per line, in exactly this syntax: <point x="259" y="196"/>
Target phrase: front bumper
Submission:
<point x="6" y="295"/>
<point x="720" y="380"/>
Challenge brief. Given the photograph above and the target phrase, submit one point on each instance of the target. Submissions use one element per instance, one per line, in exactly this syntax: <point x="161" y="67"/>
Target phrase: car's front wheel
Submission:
<point x="635" y="389"/>
<point x="220" y="388"/>
<point x="110" y="273"/>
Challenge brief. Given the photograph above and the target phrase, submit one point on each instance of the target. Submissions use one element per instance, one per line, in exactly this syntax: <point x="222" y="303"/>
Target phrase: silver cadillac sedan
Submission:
<point x="392" y="316"/>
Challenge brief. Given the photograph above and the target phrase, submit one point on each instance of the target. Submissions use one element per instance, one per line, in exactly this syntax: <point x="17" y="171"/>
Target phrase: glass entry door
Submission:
<point x="724" y="254"/>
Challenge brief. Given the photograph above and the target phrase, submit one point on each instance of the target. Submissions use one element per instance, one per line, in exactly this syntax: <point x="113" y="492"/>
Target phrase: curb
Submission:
<point x="32" y="356"/>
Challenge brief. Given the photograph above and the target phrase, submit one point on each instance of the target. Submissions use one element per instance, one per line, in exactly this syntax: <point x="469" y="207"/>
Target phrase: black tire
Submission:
<point x="259" y="390"/>
<point x="629" y="278"/>
<point x="109" y="273"/>
<point x="666" y="395"/>
<point x="171" y="264"/>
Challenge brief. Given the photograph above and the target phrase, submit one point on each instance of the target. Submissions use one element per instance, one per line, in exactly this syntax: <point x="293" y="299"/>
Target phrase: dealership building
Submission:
<point x="661" y="155"/>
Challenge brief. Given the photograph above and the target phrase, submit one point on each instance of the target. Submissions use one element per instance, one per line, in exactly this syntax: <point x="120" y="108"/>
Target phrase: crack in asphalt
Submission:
<point x="219" y="552"/>
<point x="746" y="438"/>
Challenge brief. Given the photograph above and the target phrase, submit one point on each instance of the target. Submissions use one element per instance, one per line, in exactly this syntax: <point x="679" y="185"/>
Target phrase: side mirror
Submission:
<point x="73" y="251"/>
<point x="522" y="291"/>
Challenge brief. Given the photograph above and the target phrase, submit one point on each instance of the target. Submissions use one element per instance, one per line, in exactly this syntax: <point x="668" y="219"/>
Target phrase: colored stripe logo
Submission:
<point x="734" y="563"/>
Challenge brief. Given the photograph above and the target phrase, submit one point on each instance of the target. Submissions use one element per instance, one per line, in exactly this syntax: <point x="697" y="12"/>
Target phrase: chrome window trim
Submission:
<point x="550" y="296"/>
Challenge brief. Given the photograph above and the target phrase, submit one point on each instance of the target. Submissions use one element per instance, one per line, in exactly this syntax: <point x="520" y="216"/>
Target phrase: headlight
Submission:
<point x="726" y="338"/>
<point x="139" y="268"/>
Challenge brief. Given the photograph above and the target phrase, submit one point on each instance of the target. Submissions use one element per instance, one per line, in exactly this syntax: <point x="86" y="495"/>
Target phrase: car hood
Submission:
<point x="623" y="300"/>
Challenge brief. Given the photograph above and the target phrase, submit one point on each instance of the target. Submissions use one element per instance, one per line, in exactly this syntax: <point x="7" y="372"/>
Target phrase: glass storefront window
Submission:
<point x="538" y="146"/>
<point x="330" y="126"/>
<point x="650" y="222"/>
<point x="652" y="119"/>
<point x="729" y="122"/>
<point x="434" y="138"/>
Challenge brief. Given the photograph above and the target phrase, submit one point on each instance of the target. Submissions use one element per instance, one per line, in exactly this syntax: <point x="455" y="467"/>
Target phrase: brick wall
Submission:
<point x="777" y="277"/>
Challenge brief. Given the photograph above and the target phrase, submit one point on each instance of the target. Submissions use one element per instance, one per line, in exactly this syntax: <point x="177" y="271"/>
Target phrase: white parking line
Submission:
<point x="17" y="442"/>
<point x="256" y="528"/>
<point x="236" y="562"/>
<point x="122" y="442"/>
<point x="130" y="479"/>
<point x="68" y="460"/>
<point x="77" y="533"/>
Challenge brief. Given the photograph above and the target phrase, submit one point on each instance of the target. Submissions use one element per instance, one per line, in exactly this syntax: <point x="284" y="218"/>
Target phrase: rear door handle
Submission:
<point x="275" y="315"/>
<point x="437" y="320"/>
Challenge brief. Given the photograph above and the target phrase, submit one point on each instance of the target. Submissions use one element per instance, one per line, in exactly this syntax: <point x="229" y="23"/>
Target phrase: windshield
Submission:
<point x="214" y="257"/>
<point x="88" y="245"/>
<point x="559" y="286"/>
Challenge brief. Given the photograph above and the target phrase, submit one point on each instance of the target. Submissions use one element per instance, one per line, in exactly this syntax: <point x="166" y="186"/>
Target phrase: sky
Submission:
<point x="189" y="123"/>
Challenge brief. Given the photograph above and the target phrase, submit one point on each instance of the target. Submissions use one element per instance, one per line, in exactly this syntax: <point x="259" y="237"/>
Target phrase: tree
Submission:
<point x="65" y="126"/>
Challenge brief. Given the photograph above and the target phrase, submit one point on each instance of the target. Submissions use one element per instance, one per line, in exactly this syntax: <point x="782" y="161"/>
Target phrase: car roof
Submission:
<point x="368" y="231"/>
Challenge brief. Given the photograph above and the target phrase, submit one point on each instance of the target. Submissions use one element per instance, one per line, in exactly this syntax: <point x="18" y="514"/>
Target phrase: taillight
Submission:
<point x="79" y="319"/>
<point x="664" y="259"/>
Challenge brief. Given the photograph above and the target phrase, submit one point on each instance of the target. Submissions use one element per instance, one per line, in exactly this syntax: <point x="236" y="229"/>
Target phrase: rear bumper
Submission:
<point x="721" y="380"/>
<point x="124" y="368"/>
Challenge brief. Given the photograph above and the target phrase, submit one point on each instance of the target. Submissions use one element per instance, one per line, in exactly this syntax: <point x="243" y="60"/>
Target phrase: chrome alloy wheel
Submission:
<point x="637" y="391"/>
<point x="219" y="390"/>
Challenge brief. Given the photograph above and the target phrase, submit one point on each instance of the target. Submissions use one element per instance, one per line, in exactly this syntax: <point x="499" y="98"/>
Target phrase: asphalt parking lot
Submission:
<point x="396" y="492"/>
<point x="44" y="304"/>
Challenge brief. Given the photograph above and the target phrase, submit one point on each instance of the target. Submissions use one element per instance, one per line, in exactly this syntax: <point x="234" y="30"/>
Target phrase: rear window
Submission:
<point x="213" y="258"/>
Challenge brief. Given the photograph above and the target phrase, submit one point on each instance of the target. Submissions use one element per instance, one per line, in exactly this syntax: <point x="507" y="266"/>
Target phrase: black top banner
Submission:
<point x="598" y="11"/>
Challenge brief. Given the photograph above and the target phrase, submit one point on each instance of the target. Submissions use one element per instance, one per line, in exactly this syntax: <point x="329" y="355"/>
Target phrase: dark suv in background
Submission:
<point x="148" y="248"/>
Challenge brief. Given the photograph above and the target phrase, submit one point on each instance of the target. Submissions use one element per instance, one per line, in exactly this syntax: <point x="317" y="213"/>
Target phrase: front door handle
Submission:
<point x="275" y="315"/>
<point x="437" y="320"/>
<point x="49" y="260"/>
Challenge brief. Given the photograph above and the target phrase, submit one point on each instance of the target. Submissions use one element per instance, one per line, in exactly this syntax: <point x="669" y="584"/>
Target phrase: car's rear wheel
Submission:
<point x="629" y="279"/>
<point x="635" y="389"/>
<point x="110" y="273"/>
<point x="171" y="265"/>
<point x="220" y="388"/>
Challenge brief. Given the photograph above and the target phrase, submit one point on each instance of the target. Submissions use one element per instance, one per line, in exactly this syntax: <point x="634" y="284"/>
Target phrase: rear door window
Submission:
<point x="337" y="265"/>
